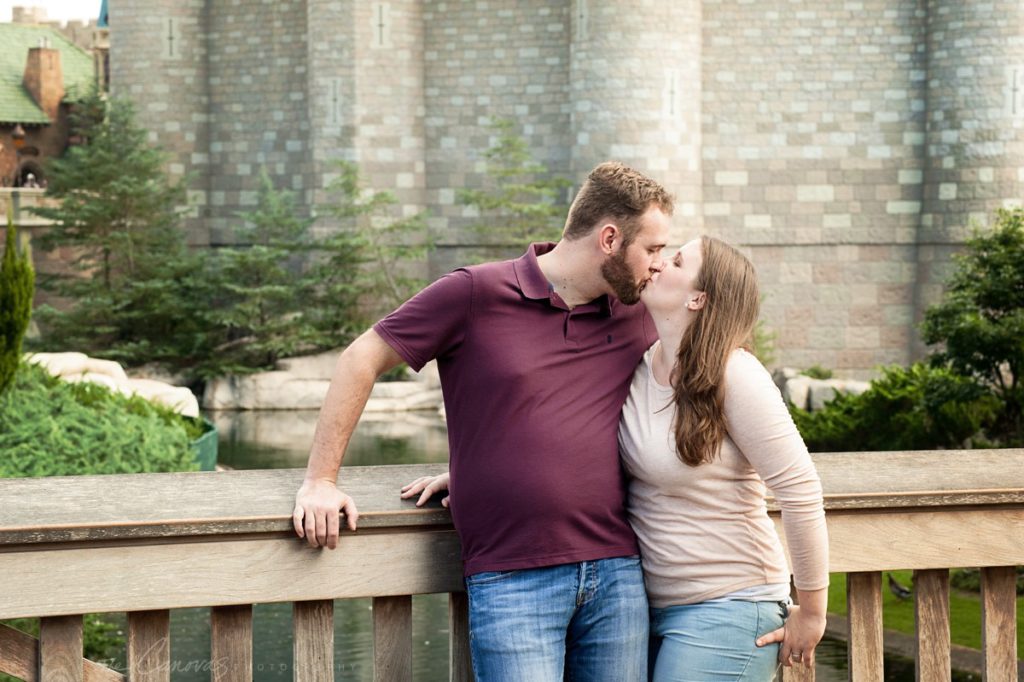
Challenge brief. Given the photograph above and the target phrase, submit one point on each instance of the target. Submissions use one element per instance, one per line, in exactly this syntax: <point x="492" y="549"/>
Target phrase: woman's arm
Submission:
<point x="803" y="629"/>
<point x="759" y="423"/>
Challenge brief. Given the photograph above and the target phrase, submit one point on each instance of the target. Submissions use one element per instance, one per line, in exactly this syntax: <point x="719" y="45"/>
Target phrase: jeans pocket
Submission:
<point x="784" y="608"/>
<point x="488" y="577"/>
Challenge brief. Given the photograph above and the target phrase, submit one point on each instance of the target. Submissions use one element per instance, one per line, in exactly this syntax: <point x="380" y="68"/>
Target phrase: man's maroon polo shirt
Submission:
<point x="532" y="392"/>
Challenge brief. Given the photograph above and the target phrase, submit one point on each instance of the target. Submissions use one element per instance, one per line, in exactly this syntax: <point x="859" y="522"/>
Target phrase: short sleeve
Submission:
<point x="432" y="323"/>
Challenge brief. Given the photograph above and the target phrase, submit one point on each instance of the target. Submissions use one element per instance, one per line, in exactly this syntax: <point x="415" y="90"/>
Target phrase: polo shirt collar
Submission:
<point x="534" y="285"/>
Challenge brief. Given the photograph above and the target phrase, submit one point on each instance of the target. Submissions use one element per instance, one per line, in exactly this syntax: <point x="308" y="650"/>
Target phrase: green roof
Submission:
<point x="16" y="104"/>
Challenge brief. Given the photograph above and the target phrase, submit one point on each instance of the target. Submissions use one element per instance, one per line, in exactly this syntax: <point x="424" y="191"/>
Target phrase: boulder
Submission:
<point x="265" y="391"/>
<point x="797" y="391"/>
<point x="285" y="390"/>
<point x="80" y="367"/>
<point x="311" y="366"/>
<point x="178" y="398"/>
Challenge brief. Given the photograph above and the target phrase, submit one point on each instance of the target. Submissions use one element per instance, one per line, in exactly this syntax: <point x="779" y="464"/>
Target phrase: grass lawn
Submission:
<point x="964" y="610"/>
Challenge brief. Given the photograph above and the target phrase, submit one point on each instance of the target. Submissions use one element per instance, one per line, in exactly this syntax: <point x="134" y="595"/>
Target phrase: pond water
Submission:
<point x="265" y="440"/>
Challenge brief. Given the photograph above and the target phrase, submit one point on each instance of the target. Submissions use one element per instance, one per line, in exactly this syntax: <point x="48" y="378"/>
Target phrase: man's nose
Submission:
<point x="659" y="264"/>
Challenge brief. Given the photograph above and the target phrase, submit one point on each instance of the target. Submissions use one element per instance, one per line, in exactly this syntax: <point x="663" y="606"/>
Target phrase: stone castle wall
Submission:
<point x="845" y="144"/>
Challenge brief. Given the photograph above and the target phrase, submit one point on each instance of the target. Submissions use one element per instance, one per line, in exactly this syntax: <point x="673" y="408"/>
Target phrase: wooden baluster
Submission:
<point x="931" y="619"/>
<point x="392" y="639"/>
<point x="864" y="607"/>
<point x="999" y="623"/>
<point x="231" y="643"/>
<point x="19" y="654"/>
<point x="60" y="649"/>
<point x="460" y="665"/>
<point x="313" y="624"/>
<point x="149" y="646"/>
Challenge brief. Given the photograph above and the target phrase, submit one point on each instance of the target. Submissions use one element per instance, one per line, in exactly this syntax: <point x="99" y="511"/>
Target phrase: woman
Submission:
<point x="702" y="432"/>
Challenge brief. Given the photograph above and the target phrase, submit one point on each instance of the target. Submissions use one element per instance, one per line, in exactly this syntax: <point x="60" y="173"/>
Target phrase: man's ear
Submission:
<point x="697" y="302"/>
<point x="610" y="238"/>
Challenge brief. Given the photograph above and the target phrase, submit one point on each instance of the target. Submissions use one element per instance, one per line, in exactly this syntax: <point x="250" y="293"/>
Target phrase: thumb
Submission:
<point x="772" y="637"/>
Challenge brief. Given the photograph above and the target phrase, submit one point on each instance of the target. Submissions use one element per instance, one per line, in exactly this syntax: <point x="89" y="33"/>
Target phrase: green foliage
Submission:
<point x="914" y="408"/>
<point x="49" y="427"/>
<point x="17" y="285"/>
<point x="817" y="372"/>
<point x="524" y="203"/>
<point x="131" y="290"/>
<point x="258" y="289"/>
<point x="980" y="321"/>
<point x="137" y="295"/>
<point x="361" y="264"/>
<point x="969" y="579"/>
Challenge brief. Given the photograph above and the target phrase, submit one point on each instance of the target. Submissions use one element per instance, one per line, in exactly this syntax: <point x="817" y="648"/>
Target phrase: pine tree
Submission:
<point x="523" y="202"/>
<point x="133" y="287"/>
<point x="362" y="265"/>
<point x="260" y="314"/>
<point x="17" y="280"/>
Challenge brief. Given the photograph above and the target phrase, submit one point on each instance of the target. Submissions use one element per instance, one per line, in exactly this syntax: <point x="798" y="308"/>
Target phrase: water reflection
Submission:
<point x="281" y="439"/>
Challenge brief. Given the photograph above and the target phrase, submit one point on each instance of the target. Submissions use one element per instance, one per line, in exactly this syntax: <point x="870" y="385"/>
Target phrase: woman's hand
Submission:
<point x="426" y="486"/>
<point x="802" y="631"/>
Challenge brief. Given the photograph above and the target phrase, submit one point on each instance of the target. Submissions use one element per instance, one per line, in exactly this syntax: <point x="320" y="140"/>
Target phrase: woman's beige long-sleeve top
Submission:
<point x="704" y="531"/>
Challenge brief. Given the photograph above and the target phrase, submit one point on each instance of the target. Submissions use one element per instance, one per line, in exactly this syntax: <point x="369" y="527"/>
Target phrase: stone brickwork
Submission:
<point x="845" y="144"/>
<point x="158" y="59"/>
<point x="258" y="113"/>
<point x="485" y="60"/>
<point x="813" y="154"/>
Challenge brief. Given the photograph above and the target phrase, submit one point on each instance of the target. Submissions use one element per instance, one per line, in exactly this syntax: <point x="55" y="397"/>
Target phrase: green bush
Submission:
<point x="49" y="427"/>
<point x="914" y="408"/>
<point x="979" y="324"/>
<point x="969" y="579"/>
<point x="17" y="285"/>
<point x="817" y="372"/>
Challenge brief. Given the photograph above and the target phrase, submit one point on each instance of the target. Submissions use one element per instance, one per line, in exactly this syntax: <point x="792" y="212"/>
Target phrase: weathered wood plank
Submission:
<point x="19" y="654"/>
<point x="460" y="665"/>
<point x="94" y="672"/>
<point x="884" y="541"/>
<point x="999" y="623"/>
<point x="313" y="625"/>
<point x="195" y="503"/>
<point x="149" y="646"/>
<point x="60" y="649"/>
<point x="864" y="608"/>
<point x="392" y="639"/>
<point x="931" y="619"/>
<point x="231" y="643"/>
<point x="217" y="503"/>
<point x="135" y="577"/>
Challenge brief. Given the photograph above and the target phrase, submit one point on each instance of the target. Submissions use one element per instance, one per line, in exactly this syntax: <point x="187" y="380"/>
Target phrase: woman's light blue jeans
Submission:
<point x="580" y="622"/>
<point x="714" y="641"/>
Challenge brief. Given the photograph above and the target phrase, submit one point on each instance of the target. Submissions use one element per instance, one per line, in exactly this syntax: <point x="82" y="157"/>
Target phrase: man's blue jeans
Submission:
<point x="582" y="622"/>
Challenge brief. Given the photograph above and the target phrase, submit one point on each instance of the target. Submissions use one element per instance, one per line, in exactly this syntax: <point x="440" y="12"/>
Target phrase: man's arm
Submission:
<point x="318" y="501"/>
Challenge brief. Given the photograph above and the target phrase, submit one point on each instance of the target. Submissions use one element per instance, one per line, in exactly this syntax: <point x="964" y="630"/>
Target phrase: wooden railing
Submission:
<point x="147" y="543"/>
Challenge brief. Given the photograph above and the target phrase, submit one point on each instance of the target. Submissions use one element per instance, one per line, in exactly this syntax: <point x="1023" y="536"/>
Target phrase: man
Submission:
<point x="535" y="357"/>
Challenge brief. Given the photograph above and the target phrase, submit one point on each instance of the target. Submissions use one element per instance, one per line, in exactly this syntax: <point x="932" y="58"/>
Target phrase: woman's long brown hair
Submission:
<point x="725" y="323"/>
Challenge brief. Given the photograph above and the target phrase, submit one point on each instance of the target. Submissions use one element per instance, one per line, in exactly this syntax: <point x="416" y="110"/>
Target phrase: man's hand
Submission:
<point x="426" y="486"/>
<point x="315" y="516"/>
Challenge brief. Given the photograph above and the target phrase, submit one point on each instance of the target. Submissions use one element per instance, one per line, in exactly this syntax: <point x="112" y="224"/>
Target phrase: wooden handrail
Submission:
<point x="108" y="540"/>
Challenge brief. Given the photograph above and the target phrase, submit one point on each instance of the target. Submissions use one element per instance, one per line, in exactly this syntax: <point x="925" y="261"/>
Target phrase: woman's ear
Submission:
<point x="697" y="302"/>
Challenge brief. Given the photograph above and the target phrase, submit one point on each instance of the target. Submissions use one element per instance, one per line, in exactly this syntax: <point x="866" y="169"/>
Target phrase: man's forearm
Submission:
<point x="354" y="375"/>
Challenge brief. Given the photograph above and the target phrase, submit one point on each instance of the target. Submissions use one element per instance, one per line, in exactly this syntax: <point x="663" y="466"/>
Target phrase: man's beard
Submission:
<point x="618" y="275"/>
